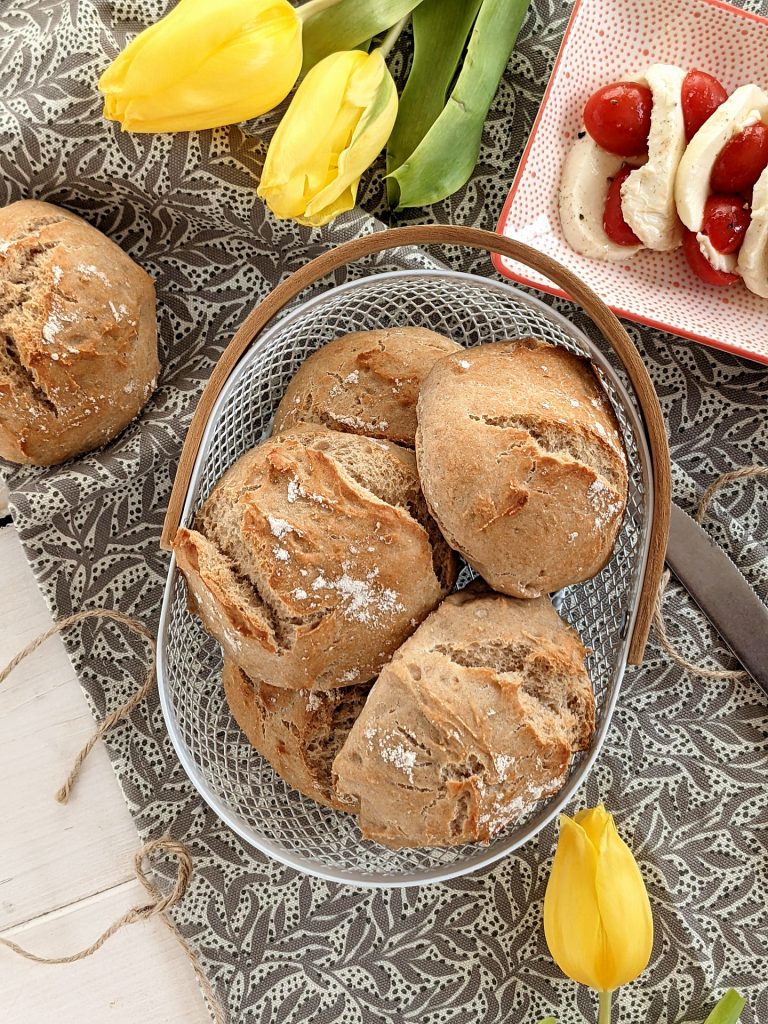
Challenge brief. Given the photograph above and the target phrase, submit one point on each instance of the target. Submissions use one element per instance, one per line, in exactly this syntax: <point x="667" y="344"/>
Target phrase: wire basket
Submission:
<point x="229" y="773"/>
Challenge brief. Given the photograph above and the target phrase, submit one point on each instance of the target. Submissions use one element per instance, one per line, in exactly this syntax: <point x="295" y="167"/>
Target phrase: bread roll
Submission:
<point x="78" y="335"/>
<point x="522" y="464"/>
<point x="472" y="723"/>
<point x="365" y="383"/>
<point x="314" y="558"/>
<point x="298" y="731"/>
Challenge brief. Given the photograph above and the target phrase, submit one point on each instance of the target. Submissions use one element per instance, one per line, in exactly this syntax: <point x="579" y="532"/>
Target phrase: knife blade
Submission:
<point x="721" y="591"/>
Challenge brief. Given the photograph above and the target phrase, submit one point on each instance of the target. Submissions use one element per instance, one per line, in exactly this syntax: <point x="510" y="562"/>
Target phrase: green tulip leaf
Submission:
<point x="728" y="1009"/>
<point x="440" y="32"/>
<point x="346" y="24"/>
<point x="446" y="156"/>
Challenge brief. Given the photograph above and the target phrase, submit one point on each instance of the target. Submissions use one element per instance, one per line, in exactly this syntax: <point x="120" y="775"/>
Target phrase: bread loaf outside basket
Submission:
<point x="612" y="612"/>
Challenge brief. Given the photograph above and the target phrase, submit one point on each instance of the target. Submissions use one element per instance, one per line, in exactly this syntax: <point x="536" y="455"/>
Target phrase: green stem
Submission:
<point x="604" y="1016"/>
<point x="391" y="37"/>
<point x="314" y="7"/>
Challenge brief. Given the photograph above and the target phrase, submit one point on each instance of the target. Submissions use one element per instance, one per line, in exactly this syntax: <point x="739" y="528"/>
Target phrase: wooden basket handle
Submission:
<point x="474" y="238"/>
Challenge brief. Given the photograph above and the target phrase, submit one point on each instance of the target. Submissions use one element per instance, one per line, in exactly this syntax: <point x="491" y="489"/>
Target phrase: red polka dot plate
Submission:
<point x="607" y="40"/>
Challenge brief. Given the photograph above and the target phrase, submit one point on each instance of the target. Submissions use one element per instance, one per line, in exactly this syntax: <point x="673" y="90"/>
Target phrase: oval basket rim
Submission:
<point x="519" y="836"/>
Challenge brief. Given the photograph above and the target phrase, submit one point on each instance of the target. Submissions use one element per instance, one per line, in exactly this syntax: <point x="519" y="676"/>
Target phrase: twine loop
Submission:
<point x="746" y="472"/>
<point x="159" y="902"/>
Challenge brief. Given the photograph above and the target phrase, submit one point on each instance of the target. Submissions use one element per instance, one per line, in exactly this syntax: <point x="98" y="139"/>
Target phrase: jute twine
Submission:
<point x="658" y="616"/>
<point x="163" y="846"/>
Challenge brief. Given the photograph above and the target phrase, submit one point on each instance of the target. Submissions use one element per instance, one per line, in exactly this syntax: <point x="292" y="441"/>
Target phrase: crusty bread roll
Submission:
<point x="298" y="731"/>
<point x="522" y="464"/>
<point x="472" y="723"/>
<point x="314" y="557"/>
<point x="365" y="383"/>
<point x="78" y="335"/>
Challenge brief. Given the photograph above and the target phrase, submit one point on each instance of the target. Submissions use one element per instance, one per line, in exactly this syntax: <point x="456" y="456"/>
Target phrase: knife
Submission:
<point x="722" y="593"/>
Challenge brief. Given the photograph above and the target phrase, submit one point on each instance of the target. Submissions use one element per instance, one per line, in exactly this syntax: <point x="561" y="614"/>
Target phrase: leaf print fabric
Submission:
<point x="685" y="766"/>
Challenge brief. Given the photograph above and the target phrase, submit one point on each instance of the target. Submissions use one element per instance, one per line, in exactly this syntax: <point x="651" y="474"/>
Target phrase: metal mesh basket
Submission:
<point x="229" y="773"/>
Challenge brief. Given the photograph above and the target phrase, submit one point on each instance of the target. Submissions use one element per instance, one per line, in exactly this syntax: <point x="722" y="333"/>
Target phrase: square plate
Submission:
<point x="607" y="40"/>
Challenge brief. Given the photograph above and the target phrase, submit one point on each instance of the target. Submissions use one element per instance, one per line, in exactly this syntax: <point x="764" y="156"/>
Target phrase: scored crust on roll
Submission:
<point x="473" y="722"/>
<point x="365" y="383"/>
<point x="78" y="335"/>
<point x="298" y="731"/>
<point x="314" y="557"/>
<point x="527" y="477"/>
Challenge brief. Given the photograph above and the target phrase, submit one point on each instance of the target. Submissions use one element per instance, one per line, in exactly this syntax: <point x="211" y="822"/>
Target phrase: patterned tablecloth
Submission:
<point x="686" y="764"/>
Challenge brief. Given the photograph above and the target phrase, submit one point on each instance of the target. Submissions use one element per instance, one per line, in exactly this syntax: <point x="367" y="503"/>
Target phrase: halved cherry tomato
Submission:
<point x="742" y="160"/>
<point x="726" y="218"/>
<point x="618" y="117"/>
<point x="701" y="95"/>
<point x="701" y="266"/>
<point x="615" y="226"/>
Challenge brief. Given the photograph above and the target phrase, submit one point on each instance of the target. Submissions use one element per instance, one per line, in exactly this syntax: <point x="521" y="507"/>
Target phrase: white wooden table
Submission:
<point x="66" y="871"/>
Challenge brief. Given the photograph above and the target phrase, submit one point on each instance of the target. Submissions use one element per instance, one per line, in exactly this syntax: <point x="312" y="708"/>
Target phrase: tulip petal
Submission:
<point x="341" y="204"/>
<point x="594" y="821"/>
<point x="572" y="924"/>
<point x="625" y="910"/>
<point x="372" y="91"/>
<point x="300" y="160"/>
<point x="304" y="129"/>
<point x="335" y="126"/>
<point x="203" y="66"/>
<point x="113" y="77"/>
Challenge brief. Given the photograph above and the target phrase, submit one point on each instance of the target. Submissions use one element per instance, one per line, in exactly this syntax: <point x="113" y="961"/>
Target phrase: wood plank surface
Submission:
<point x="50" y="854"/>
<point x="66" y="871"/>
<point x="139" y="977"/>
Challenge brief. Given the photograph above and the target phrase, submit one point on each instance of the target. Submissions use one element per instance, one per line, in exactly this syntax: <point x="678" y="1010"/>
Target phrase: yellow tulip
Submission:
<point x="337" y="124"/>
<point x="597" y="918"/>
<point x="207" y="63"/>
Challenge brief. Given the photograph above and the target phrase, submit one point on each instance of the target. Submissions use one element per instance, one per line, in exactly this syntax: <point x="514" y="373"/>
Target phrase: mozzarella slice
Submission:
<point x="725" y="261"/>
<point x="648" y="194"/>
<point x="744" y="106"/>
<point x="587" y="175"/>
<point x="753" y="255"/>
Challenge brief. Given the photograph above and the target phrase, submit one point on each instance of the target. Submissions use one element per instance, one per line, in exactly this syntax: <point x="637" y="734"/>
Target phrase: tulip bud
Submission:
<point x="597" y="918"/>
<point x="337" y="124"/>
<point x="207" y="63"/>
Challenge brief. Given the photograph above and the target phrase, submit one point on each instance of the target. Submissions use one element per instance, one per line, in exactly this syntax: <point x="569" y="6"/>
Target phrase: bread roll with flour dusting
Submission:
<point x="314" y="557"/>
<point x="365" y="383"/>
<point x="473" y="722"/>
<point x="78" y="335"/>
<point x="527" y="476"/>
<point x="298" y="731"/>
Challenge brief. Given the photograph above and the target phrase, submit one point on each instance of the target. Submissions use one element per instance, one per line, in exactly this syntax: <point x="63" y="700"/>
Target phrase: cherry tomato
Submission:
<point x="701" y="266"/>
<point x="615" y="226"/>
<point x="618" y="117"/>
<point x="701" y="95"/>
<point x="726" y="218"/>
<point x="742" y="160"/>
